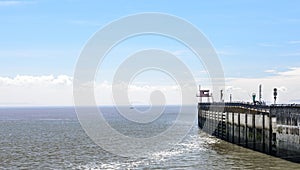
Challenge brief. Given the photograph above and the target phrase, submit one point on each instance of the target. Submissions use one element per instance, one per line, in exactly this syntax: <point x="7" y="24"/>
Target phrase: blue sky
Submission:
<point x="259" y="33"/>
<point x="254" y="39"/>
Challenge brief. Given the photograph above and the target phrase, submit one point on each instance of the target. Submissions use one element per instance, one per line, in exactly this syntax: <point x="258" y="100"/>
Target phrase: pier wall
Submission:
<point x="269" y="129"/>
<point x="287" y="129"/>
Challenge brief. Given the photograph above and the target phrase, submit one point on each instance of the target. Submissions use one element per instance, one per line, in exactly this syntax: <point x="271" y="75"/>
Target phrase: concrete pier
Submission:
<point x="271" y="129"/>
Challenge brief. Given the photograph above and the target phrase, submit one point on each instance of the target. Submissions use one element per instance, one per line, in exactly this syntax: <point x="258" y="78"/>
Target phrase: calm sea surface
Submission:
<point x="52" y="138"/>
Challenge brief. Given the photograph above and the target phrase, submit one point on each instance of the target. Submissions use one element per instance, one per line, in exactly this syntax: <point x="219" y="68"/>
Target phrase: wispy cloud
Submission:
<point x="268" y="44"/>
<point x="273" y="44"/>
<point x="84" y="22"/>
<point x="10" y="3"/>
<point x="36" y="53"/>
<point x="179" y="52"/>
<point x="225" y="53"/>
<point x="294" y="42"/>
<point x="291" y="20"/>
<point x="14" y="3"/>
<point x="293" y="54"/>
<point x="270" y="71"/>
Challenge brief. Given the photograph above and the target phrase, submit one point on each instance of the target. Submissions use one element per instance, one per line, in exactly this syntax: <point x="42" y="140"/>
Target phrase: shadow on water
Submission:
<point x="240" y="157"/>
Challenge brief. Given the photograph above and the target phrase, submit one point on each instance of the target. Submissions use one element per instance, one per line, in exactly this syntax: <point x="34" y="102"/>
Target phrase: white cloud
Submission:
<point x="137" y="93"/>
<point x="35" y="80"/>
<point x="36" y="90"/>
<point x="287" y="82"/>
<point x="294" y="71"/>
<point x="57" y="90"/>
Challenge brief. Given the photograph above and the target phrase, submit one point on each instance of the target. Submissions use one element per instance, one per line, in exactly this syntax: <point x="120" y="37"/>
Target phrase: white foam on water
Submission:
<point x="112" y="165"/>
<point x="193" y="143"/>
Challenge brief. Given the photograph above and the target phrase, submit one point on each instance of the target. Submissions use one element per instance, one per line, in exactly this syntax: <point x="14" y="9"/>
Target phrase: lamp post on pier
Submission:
<point x="275" y="95"/>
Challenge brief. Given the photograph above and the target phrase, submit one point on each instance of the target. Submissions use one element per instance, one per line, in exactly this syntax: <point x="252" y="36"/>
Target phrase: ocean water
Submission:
<point x="52" y="138"/>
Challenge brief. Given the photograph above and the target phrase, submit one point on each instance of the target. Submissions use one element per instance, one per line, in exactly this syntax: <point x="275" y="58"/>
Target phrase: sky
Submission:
<point x="258" y="42"/>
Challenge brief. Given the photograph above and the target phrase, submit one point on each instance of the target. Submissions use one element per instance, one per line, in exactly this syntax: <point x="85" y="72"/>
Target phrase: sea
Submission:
<point x="53" y="138"/>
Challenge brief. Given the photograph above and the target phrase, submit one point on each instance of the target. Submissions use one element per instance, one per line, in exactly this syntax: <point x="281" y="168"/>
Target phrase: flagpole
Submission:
<point x="200" y="100"/>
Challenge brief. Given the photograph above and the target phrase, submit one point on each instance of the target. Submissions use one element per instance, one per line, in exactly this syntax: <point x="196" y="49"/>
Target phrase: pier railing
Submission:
<point x="237" y="104"/>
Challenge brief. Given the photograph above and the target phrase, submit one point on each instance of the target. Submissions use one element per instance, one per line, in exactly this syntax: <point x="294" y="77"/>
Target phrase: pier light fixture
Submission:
<point x="275" y="95"/>
<point x="253" y="97"/>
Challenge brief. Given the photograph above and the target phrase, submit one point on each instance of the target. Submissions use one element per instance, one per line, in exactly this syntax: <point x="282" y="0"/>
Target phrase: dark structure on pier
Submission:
<point x="270" y="129"/>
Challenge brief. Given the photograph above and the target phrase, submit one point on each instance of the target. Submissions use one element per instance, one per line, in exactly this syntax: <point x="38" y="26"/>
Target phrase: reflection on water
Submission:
<point x="52" y="138"/>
